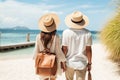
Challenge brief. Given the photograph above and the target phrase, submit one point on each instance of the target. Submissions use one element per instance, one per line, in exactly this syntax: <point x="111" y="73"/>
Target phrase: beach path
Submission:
<point x="23" y="69"/>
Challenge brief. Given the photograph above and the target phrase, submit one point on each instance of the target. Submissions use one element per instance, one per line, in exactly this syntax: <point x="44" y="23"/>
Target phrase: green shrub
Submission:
<point x="110" y="36"/>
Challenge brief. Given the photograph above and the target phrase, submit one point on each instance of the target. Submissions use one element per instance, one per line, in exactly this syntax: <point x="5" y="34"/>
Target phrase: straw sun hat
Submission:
<point x="49" y="22"/>
<point x="76" y="20"/>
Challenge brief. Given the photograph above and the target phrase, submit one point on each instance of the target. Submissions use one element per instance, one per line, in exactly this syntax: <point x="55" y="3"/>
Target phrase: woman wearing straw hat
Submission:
<point x="76" y="45"/>
<point x="48" y="24"/>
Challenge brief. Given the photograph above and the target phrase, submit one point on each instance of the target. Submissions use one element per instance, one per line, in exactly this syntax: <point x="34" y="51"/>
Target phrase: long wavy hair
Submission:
<point x="46" y="37"/>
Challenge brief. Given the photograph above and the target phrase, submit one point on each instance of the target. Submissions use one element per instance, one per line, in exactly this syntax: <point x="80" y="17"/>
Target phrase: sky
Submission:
<point x="27" y="12"/>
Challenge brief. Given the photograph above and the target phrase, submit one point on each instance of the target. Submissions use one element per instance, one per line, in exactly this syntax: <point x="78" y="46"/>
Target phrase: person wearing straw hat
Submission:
<point x="76" y="45"/>
<point x="48" y="25"/>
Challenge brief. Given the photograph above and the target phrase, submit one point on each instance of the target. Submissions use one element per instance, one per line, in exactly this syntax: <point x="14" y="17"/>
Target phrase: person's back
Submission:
<point x="76" y="45"/>
<point x="76" y="40"/>
<point x="48" y="42"/>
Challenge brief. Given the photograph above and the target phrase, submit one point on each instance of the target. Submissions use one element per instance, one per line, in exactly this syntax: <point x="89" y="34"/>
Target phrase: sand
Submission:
<point x="23" y="68"/>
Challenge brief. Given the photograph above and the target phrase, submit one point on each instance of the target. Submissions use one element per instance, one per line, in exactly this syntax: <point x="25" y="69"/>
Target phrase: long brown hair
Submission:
<point x="46" y="37"/>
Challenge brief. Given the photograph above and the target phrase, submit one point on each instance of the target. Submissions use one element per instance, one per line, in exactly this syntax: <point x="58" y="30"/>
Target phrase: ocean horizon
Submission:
<point x="10" y="36"/>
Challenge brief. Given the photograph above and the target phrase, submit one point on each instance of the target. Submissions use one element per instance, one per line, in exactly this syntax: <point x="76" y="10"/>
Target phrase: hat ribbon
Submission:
<point x="77" y="21"/>
<point x="50" y="25"/>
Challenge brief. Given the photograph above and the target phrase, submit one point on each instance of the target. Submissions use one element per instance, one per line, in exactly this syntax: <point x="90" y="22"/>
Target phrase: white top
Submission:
<point x="76" y="41"/>
<point x="55" y="48"/>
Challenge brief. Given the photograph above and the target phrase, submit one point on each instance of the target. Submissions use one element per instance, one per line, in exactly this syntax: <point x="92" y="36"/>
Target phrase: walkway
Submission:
<point x="23" y="69"/>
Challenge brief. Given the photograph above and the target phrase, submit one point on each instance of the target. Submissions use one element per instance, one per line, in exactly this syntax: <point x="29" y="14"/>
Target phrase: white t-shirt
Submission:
<point x="76" y="41"/>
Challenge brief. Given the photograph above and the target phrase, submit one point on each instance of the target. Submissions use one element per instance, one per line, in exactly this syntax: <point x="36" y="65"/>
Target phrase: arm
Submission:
<point x="36" y="49"/>
<point x="58" y="50"/>
<point x="65" y="41"/>
<point x="60" y="54"/>
<point x="89" y="50"/>
<point x="65" y="50"/>
<point x="89" y="56"/>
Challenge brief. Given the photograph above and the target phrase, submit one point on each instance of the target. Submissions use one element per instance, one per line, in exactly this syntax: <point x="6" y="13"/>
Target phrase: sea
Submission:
<point x="8" y="37"/>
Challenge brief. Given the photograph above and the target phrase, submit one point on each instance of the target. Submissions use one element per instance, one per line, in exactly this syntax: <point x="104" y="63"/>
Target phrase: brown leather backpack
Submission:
<point x="46" y="63"/>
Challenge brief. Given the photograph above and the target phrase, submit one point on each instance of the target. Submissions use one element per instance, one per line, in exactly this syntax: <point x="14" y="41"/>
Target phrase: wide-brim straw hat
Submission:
<point x="76" y="20"/>
<point x="49" y="22"/>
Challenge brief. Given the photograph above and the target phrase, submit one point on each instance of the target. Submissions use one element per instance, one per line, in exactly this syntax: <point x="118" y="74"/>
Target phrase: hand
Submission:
<point x="89" y="67"/>
<point x="63" y="66"/>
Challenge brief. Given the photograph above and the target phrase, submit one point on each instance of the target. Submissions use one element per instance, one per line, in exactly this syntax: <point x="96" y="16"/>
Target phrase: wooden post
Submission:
<point x="28" y="37"/>
<point x="0" y="38"/>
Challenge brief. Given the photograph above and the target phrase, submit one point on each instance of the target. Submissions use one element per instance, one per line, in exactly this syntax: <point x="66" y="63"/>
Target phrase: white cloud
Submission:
<point x="13" y="13"/>
<point x="8" y="19"/>
<point x="88" y="6"/>
<point x="97" y="11"/>
<point x="85" y="6"/>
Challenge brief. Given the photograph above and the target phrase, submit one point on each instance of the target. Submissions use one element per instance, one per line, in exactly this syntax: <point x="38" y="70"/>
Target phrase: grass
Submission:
<point x="110" y="36"/>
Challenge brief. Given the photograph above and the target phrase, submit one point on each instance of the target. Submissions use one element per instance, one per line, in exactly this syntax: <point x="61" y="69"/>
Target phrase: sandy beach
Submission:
<point x="23" y="68"/>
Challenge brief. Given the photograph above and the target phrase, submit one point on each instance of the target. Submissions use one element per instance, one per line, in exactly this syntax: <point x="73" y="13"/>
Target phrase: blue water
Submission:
<point x="17" y="36"/>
